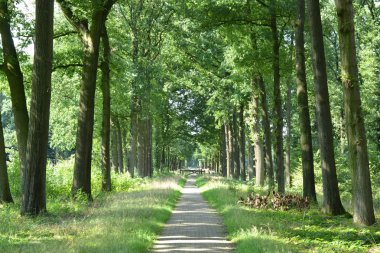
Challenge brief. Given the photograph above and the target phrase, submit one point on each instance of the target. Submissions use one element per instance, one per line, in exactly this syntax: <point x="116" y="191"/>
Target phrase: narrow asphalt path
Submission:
<point x="193" y="226"/>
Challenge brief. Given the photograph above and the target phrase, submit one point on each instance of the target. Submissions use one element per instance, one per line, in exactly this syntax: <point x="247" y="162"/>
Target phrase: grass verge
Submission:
<point x="114" y="222"/>
<point x="254" y="230"/>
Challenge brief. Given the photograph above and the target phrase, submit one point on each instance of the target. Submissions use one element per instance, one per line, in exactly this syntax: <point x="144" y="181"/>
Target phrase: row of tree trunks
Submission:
<point x="229" y="150"/>
<point x="145" y="159"/>
<point x="117" y="146"/>
<point x="223" y="151"/>
<point x="232" y="146"/>
<point x="267" y="133"/>
<point x="119" y="142"/>
<point x="235" y="146"/>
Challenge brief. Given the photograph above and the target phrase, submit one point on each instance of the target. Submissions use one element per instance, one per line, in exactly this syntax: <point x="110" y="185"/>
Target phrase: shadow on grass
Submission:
<point x="121" y="222"/>
<point x="260" y="230"/>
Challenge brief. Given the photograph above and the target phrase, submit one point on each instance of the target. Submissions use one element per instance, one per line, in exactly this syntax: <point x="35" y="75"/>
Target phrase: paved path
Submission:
<point x="193" y="226"/>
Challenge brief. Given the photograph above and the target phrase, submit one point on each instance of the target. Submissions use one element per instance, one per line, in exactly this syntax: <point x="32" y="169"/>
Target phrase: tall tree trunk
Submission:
<point x="331" y="199"/>
<point x="256" y="135"/>
<point x="119" y="145"/>
<point x="91" y="40"/>
<point x="106" y="113"/>
<point x="150" y="148"/>
<point x="229" y="149"/>
<point x="34" y="190"/>
<point x="242" y="143"/>
<point x="357" y="141"/>
<point x="140" y="151"/>
<point x="135" y="101"/>
<point x="5" y="191"/>
<point x="115" y="153"/>
<point x="223" y="151"/>
<point x="278" y="117"/>
<point x="11" y="67"/>
<point x="303" y="108"/>
<point x="288" y="133"/>
<point x="134" y="138"/>
<point x="83" y="154"/>
<point x="267" y="134"/>
<point x="251" y="168"/>
<point x="236" y="152"/>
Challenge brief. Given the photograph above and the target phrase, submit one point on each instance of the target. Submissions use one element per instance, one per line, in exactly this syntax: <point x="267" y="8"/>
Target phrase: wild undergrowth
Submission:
<point x="125" y="220"/>
<point x="261" y="230"/>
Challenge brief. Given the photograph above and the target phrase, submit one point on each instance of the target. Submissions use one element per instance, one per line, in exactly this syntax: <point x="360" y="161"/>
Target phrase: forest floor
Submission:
<point x="114" y="222"/>
<point x="261" y="230"/>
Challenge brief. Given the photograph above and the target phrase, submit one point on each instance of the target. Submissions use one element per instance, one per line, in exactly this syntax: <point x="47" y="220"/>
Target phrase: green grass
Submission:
<point x="114" y="222"/>
<point x="254" y="230"/>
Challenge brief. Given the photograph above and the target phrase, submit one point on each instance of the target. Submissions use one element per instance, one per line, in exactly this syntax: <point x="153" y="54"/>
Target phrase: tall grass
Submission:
<point x="126" y="220"/>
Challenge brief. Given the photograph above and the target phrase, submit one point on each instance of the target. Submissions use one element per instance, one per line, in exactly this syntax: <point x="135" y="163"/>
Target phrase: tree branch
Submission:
<point x="56" y="36"/>
<point x="66" y="66"/>
<point x="80" y="25"/>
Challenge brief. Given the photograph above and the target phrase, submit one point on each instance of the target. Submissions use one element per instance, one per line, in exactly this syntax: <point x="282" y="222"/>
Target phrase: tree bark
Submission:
<point x="256" y="135"/>
<point x="11" y="67"/>
<point x="331" y="199"/>
<point x="288" y="136"/>
<point x="82" y="166"/>
<point x="115" y="153"/>
<point x="5" y="191"/>
<point x="106" y="113"/>
<point x="34" y="185"/>
<point x="134" y="137"/>
<point x="242" y="143"/>
<point x="119" y="146"/>
<point x="223" y="152"/>
<point x="356" y="137"/>
<point x="303" y="108"/>
<point x="229" y="148"/>
<point x="251" y="170"/>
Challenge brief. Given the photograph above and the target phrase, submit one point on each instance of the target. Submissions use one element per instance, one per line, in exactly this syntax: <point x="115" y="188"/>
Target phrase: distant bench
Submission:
<point x="197" y="171"/>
